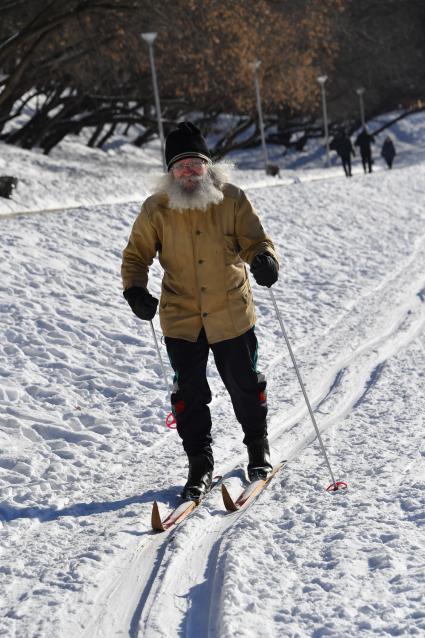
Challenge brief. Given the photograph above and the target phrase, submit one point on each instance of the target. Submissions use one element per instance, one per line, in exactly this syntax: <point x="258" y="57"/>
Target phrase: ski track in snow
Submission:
<point x="86" y="451"/>
<point x="358" y="373"/>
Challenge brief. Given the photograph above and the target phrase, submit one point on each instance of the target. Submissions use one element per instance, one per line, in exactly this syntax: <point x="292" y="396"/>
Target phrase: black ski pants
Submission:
<point x="366" y="156"/>
<point x="346" y="165"/>
<point x="236" y="361"/>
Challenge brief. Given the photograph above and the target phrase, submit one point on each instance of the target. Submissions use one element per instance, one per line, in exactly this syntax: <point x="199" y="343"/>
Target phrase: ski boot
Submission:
<point x="259" y="465"/>
<point x="199" y="479"/>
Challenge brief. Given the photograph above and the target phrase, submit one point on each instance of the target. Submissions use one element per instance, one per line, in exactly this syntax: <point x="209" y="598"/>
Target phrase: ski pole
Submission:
<point x="170" y="420"/>
<point x="164" y="374"/>
<point x="335" y="484"/>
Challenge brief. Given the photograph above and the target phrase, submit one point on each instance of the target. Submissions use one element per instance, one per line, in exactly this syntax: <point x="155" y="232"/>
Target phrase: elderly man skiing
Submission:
<point x="204" y="231"/>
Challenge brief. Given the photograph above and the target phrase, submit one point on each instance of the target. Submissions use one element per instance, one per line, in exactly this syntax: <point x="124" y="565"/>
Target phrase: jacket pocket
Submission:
<point x="241" y="307"/>
<point x="168" y="296"/>
<point x="231" y="250"/>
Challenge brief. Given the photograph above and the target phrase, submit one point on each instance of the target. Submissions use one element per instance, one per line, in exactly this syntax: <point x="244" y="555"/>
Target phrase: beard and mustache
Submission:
<point x="196" y="191"/>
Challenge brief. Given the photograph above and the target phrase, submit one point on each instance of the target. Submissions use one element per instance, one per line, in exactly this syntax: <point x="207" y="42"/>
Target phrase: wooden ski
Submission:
<point x="178" y="514"/>
<point x="248" y="494"/>
<point x="175" y="517"/>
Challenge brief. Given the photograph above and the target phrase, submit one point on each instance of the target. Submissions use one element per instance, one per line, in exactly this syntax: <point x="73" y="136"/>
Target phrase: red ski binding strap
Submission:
<point x="339" y="485"/>
<point x="170" y="421"/>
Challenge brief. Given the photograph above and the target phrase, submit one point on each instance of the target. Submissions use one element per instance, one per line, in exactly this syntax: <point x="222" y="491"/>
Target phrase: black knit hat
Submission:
<point x="185" y="141"/>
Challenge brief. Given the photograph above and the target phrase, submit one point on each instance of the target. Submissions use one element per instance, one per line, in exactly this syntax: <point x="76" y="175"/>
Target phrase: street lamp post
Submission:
<point x="149" y="38"/>
<point x="256" y="65"/>
<point x="360" y="92"/>
<point x="321" y="80"/>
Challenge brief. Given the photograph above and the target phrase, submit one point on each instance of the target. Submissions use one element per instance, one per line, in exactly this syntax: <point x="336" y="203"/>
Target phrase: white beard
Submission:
<point x="207" y="191"/>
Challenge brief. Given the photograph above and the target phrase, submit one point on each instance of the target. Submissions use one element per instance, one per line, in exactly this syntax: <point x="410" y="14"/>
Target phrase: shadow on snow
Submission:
<point x="9" y="513"/>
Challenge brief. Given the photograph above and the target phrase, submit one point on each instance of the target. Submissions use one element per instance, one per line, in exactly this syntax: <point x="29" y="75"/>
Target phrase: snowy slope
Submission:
<point x="85" y="450"/>
<point x="74" y="174"/>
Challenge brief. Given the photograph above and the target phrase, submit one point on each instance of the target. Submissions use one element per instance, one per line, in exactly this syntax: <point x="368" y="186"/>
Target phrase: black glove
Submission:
<point x="264" y="269"/>
<point x="141" y="302"/>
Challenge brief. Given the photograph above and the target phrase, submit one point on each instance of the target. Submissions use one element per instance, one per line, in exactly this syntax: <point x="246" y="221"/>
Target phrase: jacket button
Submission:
<point x="205" y="314"/>
<point x="203" y="289"/>
<point x="200" y="261"/>
<point x="198" y="232"/>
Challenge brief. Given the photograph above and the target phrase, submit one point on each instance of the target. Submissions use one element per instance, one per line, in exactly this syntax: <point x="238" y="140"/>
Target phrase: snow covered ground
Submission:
<point x="84" y="448"/>
<point x="74" y="174"/>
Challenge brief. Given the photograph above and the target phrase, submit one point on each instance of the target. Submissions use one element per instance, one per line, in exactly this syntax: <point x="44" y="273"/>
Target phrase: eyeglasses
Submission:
<point x="195" y="164"/>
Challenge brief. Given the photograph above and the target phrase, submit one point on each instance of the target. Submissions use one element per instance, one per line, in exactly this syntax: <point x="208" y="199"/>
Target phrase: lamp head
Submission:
<point x="322" y="79"/>
<point x="149" y="37"/>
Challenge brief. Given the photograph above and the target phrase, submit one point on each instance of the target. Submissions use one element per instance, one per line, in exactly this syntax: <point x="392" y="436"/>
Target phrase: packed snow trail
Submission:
<point x="86" y="451"/>
<point x="196" y="553"/>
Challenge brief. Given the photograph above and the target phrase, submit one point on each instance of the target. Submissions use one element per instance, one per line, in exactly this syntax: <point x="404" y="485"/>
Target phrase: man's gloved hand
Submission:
<point x="141" y="302"/>
<point x="264" y="269"/>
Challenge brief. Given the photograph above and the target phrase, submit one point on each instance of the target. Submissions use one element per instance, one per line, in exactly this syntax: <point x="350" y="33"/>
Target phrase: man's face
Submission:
<point x="188" y="172"/>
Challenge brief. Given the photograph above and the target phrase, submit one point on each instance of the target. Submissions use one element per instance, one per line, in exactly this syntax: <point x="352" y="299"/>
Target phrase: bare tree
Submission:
<point x="87" y="63"/>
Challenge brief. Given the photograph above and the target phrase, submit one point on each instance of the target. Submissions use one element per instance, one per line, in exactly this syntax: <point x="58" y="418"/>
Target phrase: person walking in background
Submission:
<point x="204" y="230"/>
<point x="341" y="143"/>
<point x="364" y="141"/>
<point x="388" y="151"/>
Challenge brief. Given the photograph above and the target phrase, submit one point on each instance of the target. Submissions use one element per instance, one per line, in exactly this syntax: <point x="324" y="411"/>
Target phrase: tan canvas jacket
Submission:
<point x="202" y="252"/>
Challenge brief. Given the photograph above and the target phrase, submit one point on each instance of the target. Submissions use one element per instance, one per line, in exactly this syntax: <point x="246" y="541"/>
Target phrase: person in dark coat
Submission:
<point x="341" y="143"/>
<point x="388" y="151"/>
<point x="364" y="141"/>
